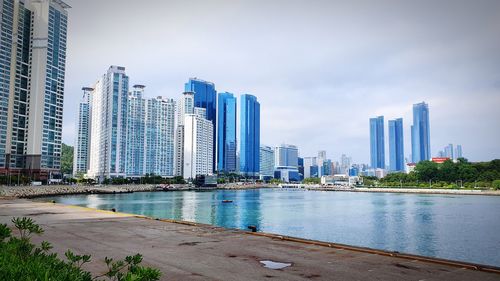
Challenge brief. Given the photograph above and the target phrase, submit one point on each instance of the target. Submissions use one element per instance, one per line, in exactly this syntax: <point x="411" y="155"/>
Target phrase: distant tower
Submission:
<point x="226" y="137"/>
<point x="377" y="151"/>
<point x="396" y="145"/>
<point x="420" y="133"/>
<point x="185" y="106"/>
<point x="81" y="156"/>
<point x="249" y="135"/>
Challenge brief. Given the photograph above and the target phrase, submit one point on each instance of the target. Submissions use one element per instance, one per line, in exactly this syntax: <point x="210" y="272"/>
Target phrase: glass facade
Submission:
<point x="420" y="133"/>
<point x="377" y="151"/>
<point x="226" y="136"/>
<point x="205" y="96"/>
<point x="249" y="135"/>
<point x="396" y="145"/>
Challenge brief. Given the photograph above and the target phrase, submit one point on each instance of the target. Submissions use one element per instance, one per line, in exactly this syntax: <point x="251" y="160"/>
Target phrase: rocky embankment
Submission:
<point x="48" y="190"/>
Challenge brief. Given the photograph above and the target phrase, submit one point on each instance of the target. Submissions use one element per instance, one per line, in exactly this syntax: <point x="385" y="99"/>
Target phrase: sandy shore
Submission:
<point x="189" y="251"/>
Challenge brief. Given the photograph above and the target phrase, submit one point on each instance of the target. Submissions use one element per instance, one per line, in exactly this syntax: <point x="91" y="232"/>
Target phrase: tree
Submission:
<point x="66" y="159"/>
<point x="312" y="180"/>
<point x="426" y="170"/>
<point x="448" y="171"/>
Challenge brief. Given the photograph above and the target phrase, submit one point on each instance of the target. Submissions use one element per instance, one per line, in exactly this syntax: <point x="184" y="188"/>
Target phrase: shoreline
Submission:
<point x="200" y="248"/>
<point x="61" y="190"/>
<point x="437" y="191"/>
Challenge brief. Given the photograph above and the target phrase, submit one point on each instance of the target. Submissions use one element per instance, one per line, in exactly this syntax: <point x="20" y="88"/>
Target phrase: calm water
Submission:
<point x="463" y="228"/>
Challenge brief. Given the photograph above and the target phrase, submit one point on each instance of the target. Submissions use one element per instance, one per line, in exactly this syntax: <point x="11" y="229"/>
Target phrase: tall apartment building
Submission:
<point x="81" y="152"/>
<point x="226" y="135"/>
<point x="377" y="145"/>
<point x="185" y="105"/>
<point x="109" y="125"/>
<point x="198" y="149"/>
<point x="159" y="144"/>
<point x="136" y="132"/>
<point x="32" y="63"/>
<point x="249" y="135"/>
<point x="266" y="158"/>
<point x="396" y="145"/>
<point x="420" y="133"/>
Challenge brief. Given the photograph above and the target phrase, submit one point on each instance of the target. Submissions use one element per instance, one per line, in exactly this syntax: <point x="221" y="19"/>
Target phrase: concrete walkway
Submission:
<point x="186" y="252"/>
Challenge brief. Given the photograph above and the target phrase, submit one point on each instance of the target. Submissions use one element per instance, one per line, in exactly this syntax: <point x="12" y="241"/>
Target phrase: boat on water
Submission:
<point x="227" y="201"/>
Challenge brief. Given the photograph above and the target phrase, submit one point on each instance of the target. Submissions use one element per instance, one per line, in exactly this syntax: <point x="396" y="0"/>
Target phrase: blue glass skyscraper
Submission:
<point x="396" y="147"/>
<point x="377" y="152"/>
<point x="205" y="96"/>
<point x="249" y="135"/>
<point x="226" y="139"/>
<point x="420" y="133"/>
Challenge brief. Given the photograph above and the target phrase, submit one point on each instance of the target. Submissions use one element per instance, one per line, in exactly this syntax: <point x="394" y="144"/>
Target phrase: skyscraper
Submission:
<point x="159" y="143"/>
<point x="33" y="62"/>
<point x="249" y="135"/>
<point x="197" y="144"/>
<point x="136" y="117"/>
<point x="310" y="162"/>
<point x="109" y="125"/>
<point x="420" y="133"/>
<point x="226" y="137"/>
<point x="81" y="152"/>
<point x="396" y="145"/>
<point x="320" y="161"/>
<point x="377" y="151"/>
<point x="266" y="159"/>
<point x="448" y="151"/>
<point x="205" y="96"/>
<point x="458" y="151"/>
<point x="185" y="105"/>
<point x="286" y="155"/>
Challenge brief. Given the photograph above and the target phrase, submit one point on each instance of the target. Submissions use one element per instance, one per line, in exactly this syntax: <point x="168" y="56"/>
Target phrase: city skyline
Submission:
<point x="394" y="73"/>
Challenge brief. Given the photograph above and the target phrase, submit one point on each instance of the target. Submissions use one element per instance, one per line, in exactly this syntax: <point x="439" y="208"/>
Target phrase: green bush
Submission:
<point x="21" y="260"/>
<point x="495" y="184"/>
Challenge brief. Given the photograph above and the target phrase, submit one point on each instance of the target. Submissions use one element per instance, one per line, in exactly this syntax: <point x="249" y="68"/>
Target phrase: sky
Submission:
<point x="320" y="69"/>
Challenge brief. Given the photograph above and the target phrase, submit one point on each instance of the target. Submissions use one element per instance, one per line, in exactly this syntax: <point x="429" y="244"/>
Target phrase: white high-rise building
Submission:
<point x="81" y="153"/>
<point x="286" y="155"/>
<point x="32" y="68"/>
<point x="159" y="146"/>
<point x="308" y="163"/>
<point x="109" y="125"/>
<point x="198" y="144"/>
<point x="136" y="132"/>
<point x="320" y="162"/>
<point x="266" y="159"/>
<point x="185" y="105"/>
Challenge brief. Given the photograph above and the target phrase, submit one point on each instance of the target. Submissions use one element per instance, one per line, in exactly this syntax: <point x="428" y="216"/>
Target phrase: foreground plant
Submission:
<point x="21" y="260"/>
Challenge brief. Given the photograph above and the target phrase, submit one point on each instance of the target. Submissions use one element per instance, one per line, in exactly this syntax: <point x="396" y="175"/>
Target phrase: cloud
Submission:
<point x="319" y="69"/>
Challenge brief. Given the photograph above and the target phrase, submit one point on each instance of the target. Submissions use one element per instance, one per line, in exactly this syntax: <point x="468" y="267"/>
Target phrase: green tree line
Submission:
<point x="448" y="174"/>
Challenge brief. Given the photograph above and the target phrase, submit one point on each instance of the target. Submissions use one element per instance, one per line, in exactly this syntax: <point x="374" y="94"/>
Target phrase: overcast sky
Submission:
<point x="320" y="69"/>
